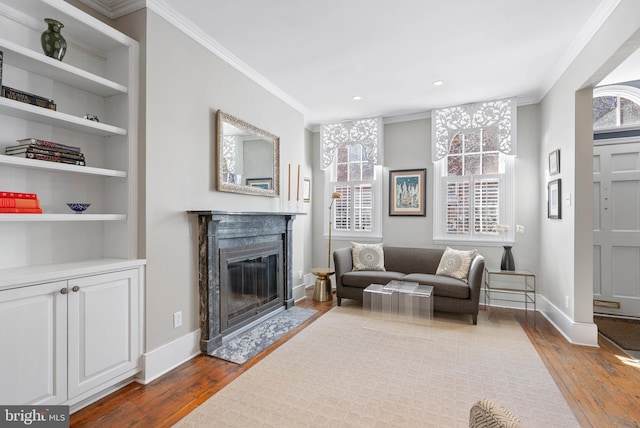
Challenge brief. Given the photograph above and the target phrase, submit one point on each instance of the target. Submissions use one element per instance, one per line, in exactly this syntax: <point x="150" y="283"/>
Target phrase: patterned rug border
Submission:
<point x="241" y="348"/>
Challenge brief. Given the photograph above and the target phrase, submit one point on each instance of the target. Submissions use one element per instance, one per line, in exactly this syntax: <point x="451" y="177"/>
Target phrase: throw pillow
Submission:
<point x="456" y="263"/>
<point x="487" y="414"/>
<point x="367" y="256"/>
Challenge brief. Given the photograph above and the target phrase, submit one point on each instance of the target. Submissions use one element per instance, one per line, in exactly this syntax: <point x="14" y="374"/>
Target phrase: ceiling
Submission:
<point x="318" y="55"/>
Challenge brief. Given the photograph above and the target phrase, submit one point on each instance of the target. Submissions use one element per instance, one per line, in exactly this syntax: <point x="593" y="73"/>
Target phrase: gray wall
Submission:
<point x="407" y="145"/>
<point x="185" y="86"/>
<point x="566" y="123"/>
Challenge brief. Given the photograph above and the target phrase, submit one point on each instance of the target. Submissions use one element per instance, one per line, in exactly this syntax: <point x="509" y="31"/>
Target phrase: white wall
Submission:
<point x="566" y="257"/>
<point x="407" y="145"/>
<point x="185" y="86"/>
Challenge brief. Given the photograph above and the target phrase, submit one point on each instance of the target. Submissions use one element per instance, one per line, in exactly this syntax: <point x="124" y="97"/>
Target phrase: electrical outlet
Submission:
<point x="299" y="274"/>
<point x="177" y="319"/>
<point x="566" y="302"/>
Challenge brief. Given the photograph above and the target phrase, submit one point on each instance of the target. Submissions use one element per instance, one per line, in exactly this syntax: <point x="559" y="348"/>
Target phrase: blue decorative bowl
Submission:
<point x="78" y="207"/>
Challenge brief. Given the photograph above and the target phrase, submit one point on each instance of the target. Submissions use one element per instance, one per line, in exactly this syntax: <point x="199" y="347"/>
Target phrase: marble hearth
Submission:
<point x="245" y="270"/>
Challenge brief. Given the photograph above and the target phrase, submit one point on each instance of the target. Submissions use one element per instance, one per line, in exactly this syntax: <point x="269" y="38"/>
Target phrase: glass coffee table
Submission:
<point x="399" y="298"/>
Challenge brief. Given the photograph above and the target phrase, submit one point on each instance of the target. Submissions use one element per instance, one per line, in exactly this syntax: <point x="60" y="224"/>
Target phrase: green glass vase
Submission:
<point x="53" y="44"/>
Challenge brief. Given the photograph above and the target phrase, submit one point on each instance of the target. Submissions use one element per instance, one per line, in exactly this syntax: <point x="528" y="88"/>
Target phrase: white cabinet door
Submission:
<point x="33" y="344"/>
<point x="104" y="330"/>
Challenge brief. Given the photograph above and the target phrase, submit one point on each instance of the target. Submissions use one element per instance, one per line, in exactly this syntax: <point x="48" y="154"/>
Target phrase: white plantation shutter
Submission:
<point x="486" y="204"/>
<point x="458" y="207"/>
<point x="363" y="208"/>
<point x="354" y="210"/>
<point x="342" y="208"/>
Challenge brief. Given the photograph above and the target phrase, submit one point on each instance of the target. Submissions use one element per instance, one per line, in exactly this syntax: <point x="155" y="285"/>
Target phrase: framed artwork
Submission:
<point x="306" y="189"/>
<point x="554" y="162"/>
<point x="407" y="192"/>
<point x="262" y="183"/>
<point x="554" y="208"/>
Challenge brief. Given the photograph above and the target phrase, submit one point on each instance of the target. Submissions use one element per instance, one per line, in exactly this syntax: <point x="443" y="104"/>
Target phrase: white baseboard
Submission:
<point x="299" y="292"/>
<point x="161" y="360"/>
<point x="309" y="279"/>
<point x="578" y="333"/>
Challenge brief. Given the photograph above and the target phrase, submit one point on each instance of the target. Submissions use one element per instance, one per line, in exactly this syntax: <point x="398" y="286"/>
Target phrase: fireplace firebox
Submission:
<point x="250" y="283"/>
<point x="245" y="270"/>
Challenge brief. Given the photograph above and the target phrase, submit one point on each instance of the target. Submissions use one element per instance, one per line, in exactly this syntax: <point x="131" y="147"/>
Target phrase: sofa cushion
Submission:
<point x="456" y="263"/>
<point x="364" y="278"/>
<point x="442" y="285"/>
<point x="367" y="256"/>
<point x="412" y="260"/>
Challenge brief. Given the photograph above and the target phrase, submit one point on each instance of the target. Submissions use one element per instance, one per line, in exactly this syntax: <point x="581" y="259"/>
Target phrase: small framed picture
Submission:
<point x="554" y="162"/>
<point x="306" y="189"/>
<point x="262" y="183"/>
<point x="554" y="208"/>
<point x="407" y="192"/>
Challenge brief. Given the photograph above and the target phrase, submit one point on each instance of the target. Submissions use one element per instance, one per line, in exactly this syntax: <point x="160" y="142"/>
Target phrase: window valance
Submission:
<point x="367" y="132"/>
<point x="449" y="121"/>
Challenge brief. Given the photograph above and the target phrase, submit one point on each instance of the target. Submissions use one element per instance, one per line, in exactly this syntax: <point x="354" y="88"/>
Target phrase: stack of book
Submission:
<point x="19" y="203"/>
<point x="26" y="97"/>
<point x="33" y="148"/>
<point x="22" y="96"/>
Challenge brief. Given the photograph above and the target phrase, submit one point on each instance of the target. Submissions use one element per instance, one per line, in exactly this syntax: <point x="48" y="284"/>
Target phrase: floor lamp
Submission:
<point x="322" y="289"/>
<point x="334" y="196"/>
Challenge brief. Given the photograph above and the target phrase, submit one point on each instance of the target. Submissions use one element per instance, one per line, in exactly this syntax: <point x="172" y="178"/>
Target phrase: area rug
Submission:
<point x="347" y="369"/>
<point x="623" y="332"/>
<point x="241" y="348"/>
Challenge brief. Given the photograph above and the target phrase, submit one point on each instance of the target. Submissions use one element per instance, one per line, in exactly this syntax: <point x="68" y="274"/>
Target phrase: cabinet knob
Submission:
<point x="63" y="291"/>
<point x="76" y="289"/>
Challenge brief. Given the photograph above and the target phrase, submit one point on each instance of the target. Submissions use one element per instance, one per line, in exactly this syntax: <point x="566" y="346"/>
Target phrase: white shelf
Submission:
<point x="62" y="217"/>
<point x="79" y="29"/>
<point x="27" y="275"/>
<point x="54" y="166"/>
<point x="38" y="63"/>
<point x="55" y="118"/>
<point x="99" y="73"/>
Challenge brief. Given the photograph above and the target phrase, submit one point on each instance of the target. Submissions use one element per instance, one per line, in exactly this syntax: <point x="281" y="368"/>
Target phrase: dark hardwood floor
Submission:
<point x="600" y="385"/>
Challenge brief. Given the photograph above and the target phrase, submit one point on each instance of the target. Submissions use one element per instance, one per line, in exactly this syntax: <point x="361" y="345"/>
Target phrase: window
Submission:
<point x="350" y="156"/>
<point x="473" y="169"/>
<point x="616" y="106"/>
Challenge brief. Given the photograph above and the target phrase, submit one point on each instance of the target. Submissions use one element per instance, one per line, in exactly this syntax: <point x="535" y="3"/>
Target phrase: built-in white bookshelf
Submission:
<point x="67" y="278"/>
<point x="97" y="76"/>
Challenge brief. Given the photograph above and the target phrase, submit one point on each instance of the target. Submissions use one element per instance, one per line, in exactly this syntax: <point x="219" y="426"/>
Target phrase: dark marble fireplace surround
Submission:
<point x="219" y="231"/>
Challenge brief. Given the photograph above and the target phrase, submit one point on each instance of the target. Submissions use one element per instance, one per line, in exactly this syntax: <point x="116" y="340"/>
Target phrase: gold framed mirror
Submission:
<point x="248" y="158"/>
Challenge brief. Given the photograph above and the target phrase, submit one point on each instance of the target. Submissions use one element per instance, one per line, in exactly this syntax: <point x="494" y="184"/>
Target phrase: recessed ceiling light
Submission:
<point x="438" y="82"/>
<point x="357" y="98"/>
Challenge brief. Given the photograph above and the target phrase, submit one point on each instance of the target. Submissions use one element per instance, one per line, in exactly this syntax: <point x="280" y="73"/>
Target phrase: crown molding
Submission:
<point x="190" y="29"/>
<point x="520" y="101"/>
<point x="114" y="9"/>
<point x="597" y="19"/>
<point x="407" y="117"/>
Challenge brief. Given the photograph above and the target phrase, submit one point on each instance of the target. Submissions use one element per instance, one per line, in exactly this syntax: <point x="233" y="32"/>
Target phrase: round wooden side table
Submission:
<point x="322" y="291"/>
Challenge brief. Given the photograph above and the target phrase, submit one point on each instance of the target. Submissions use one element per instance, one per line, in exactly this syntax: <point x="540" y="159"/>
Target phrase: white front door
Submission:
<point x="616" y="229"/>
